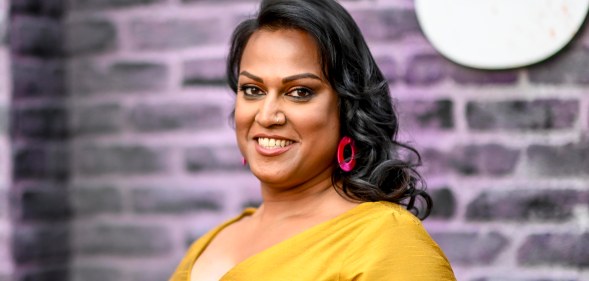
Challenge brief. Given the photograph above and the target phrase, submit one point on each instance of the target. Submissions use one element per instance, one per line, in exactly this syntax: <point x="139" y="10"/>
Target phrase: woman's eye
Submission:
<point x="251" y="91"/>
<point x="301" y="93"/>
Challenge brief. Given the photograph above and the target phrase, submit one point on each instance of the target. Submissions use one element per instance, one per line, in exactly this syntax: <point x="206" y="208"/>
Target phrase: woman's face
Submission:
<point x="286" y="113"/>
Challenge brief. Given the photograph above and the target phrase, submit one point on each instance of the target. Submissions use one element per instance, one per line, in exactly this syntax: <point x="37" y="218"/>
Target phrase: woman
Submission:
<point x="315" y="123"/>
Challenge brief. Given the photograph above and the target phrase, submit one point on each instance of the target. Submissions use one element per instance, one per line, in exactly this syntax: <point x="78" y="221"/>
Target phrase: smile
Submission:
<point x="271" y="143"/>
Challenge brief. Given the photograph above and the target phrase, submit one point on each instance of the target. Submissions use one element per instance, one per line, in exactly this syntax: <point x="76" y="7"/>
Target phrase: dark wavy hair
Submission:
<point x="383" y="171"/>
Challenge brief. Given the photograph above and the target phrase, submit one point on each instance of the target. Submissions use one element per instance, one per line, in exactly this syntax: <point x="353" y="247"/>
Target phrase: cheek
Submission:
<point x="241" y="116"/>
<point x="321" y="122"/>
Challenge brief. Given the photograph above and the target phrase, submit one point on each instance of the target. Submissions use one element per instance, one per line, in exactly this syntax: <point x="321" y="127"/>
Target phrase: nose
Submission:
<point x="269" y="111"/>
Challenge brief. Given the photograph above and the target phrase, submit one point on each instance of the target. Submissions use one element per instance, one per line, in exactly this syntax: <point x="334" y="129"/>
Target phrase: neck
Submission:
<point x="303" y="201"/>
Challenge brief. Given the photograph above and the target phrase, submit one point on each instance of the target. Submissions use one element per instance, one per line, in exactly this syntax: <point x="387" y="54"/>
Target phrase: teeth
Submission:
<point x="273" y="143"/>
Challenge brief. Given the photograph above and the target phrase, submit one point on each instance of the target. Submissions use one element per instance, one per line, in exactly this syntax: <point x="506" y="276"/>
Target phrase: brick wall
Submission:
<point x="152" y="151"/>
<point x="146" y="160"/>
<point x="39" y="137"/>
<point x="6" y="265"/>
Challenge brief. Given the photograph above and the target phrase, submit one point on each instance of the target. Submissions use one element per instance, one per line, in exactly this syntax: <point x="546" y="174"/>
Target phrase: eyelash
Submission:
<point x="245" y="88"/>
<point x="308" y="93"/>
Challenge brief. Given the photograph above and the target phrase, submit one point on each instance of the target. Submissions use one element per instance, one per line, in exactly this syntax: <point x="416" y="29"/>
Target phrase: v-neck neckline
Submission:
<point x="248" y="212"/>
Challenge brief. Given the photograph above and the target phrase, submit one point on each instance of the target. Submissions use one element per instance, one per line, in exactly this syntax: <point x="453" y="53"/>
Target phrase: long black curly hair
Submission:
<point x="383" y="172"/>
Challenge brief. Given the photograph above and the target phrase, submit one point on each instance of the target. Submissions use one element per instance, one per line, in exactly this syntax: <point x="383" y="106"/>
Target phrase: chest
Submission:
<point x="234" y="245"/>
<point x="285" y="261"/>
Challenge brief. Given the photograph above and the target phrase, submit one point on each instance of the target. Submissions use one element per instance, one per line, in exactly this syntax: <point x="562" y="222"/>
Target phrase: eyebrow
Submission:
<point x="285" y="79"/>
<point x="251" y="76"/>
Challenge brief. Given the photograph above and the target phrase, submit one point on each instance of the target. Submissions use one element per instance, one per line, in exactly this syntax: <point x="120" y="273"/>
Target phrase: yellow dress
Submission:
<point x="373" y="241"/>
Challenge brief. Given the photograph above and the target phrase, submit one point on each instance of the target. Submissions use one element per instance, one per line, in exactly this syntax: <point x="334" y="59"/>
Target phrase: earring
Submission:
<point x="341" y="160"/>
<point x="243" y="161"/>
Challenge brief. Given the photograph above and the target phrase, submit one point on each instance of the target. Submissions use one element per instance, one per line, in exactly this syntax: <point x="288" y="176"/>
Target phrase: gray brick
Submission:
<point x="251" y="203"/>
<point x="525" y="205"/>
<point x="213" y="158"/>
<point x="46" y="272"/>
<point x="41" y="122"/>
<point x="167" y="200"/>
<point x="426" y="69"/>
<point x="109" y="4"/>
<point x="3" y="41"/>
<point x="174" y="33"/>
<point x="515" y="115"/>
<point x="568" y="160"/>
<point x="38" y="242"/>
<point x="87" y="78"/>
<point x="435" y="162"/>
<point x="121" y="239"/>
<point x="444" y="203"/>
<point x="584" y="37"/>
<point x="426" y="115"/>
<point x="204" y="71"/>
<point x="568" y="66"/>
<point x="42" y="202"/>
<point x="95" y="273"/>
<point x="153" y="274"/>
<point x="555" y="249"/>
<point x="119" y="159"/>
<point x="386" y="24"/>
<point x="471" y="248"/>
<point x="3" y="120"/>
<point x="489" y="159"/>
<point x="53" y="8"/>
<point x="94" y="200"/>
<point x="97" y="119"/>
<point x="470" y="76"/>
<point x="165" y="117"/>
<point x="388" y="67"/>
<point x="47" y="161"/>
<point x="36" y="36"/>
<point x="89" y="36"/>
<point x="35" y="77"/>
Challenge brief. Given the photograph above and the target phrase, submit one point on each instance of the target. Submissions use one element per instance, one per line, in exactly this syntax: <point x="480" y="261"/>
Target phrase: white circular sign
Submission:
<point x="499" y="34"/>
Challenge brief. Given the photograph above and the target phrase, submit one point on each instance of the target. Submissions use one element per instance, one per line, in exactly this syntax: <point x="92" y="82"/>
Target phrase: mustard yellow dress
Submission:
<point x="373" y="241"/>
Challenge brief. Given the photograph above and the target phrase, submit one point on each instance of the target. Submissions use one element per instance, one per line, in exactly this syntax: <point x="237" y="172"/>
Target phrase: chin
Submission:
<point x="269" y="177"/>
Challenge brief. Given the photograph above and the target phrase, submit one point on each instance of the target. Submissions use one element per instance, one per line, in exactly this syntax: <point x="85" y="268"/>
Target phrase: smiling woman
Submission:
<point x="315" y="122"/>
<point x="283" y="96"/>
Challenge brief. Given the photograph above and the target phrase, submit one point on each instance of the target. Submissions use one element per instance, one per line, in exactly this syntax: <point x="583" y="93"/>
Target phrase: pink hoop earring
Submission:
<point x="341" y="160"/>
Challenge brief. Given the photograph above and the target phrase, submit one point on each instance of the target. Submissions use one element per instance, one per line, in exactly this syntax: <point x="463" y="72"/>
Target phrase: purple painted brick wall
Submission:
<point x="151" y="162"/>
<point x="6" y="264"/>
<point x="39" y="134"/>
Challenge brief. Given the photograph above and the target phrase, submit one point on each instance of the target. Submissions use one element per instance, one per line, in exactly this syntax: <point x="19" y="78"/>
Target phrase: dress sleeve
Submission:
<point x="395" y="248"/>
